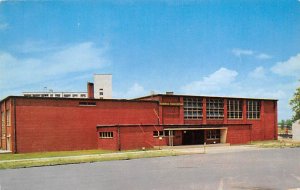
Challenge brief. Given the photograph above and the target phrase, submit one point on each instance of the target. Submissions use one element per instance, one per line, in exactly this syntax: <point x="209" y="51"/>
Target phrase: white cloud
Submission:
<point x="3" y="26"/>
<point x="246" y="52"/>
<point x="215" y="82"/>
<point x="16" y="72"/>
<point x="258" y="73"/>
<point x="263" y="56"/>
<point x="136" y="90"/>
<point x="291" y="67"/>
<point x="239" y="52"/>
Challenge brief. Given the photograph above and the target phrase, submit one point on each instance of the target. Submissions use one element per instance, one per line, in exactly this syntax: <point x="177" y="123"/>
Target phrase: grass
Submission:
<point x="74" y="157"/>
<point x="282" y="143"/>
<point x="51" y="154"/>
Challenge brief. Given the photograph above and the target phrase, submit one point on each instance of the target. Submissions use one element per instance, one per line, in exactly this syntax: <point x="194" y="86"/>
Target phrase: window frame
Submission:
<point x="8" y="118"/>
<point x="106" y="135"/>
<point x="193" y="108"/>
<point x="234" y="109"/>
<point x="215" y="108"/>
<point x="213" y="134"/>
<point x="253" y="111"/>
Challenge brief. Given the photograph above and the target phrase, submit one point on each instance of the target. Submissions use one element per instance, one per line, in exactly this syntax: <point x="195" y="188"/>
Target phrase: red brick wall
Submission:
<point x="131" y="137"/>
<point x="238" y="134"/>
<point x="52" y="125"/>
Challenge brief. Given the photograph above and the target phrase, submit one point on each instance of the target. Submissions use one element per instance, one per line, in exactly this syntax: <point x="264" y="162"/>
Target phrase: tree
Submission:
<point x="295" y="103"/>
<point x="282" y="125"/>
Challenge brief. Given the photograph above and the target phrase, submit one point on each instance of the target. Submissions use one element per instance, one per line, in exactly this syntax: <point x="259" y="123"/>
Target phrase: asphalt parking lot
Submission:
<point x="261" y="169"/>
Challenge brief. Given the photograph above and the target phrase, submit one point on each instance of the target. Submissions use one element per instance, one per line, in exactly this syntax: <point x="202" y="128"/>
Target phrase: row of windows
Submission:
<point x="210" y="134"/>
<point x="105" y="135"/>
<point x="161" y="133"/>
<point x="193" y="108"/>
<point x="57" y="95"/>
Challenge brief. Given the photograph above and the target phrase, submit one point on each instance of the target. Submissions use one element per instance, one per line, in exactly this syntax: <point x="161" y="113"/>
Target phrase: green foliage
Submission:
<point x="295" y="103"/>
<point x="282" y="123"/>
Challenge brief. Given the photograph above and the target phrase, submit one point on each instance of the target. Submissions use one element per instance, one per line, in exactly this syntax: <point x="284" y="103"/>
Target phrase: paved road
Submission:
<point x="266" y="169"/>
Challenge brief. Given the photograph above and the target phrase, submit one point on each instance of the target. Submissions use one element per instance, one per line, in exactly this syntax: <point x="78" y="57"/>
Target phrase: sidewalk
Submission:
<point x="175" y="150"/>
<point x="4" y="151"/>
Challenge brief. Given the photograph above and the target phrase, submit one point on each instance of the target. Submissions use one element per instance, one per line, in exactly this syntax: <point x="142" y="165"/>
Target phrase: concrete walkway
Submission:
<point x="213" y="149"/>
<point x="4" y="151"/>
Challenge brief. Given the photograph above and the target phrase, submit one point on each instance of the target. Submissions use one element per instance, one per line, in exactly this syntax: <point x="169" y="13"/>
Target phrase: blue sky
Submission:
<point x="221" y="48"/>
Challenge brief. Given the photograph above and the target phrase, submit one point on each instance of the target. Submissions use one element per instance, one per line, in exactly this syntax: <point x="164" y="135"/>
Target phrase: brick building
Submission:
<point x="32" y="124"/>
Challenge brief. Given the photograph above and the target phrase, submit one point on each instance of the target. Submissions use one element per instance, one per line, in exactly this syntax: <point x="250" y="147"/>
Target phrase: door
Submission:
<point x="193" y="137"/>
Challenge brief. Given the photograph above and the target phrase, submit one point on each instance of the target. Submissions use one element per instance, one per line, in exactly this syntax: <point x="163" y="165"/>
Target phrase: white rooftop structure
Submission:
<point x="102" y="86"/>
<point x="52" y="94"/>
<point x="296" y="130"/>
<point x="102" y="90"/>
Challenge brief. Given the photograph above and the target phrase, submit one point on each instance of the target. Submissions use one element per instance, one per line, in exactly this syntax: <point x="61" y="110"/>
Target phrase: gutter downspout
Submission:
<point x="15" y="125"/>
<point x="119" y="140"/>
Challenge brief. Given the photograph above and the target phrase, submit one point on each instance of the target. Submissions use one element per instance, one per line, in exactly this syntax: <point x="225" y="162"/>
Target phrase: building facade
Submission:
<point x="33" y="124"/>
<point x="100" y="89"/>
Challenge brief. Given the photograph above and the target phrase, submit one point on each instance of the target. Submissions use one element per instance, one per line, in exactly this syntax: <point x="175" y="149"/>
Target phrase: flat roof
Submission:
<point x="174" y="126"/>
<point x="185" y="95"/>
<point x="52" y="92"/>
<point x="79" y="99"/>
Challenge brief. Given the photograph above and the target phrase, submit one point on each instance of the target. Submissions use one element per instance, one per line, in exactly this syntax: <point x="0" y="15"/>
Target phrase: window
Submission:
<point x="193" y="108"/>
<point x="234" y="109"/>
<point x="3" y="123"/>
<point x="213" y="134"/>
<point x="101" y="93"/>
<point x="215" y="108"/>
<point x="101" y="89"/>
<point x="82" y="95"/>
<point x="74" y="95"/>
<point x="106" y="135"/>
<point x="160" y="133"/>
<point x="57" y="95"/>
<point x="253" y="109"/>
<point x="7" y="117"/>
<point x="87" y="103"/>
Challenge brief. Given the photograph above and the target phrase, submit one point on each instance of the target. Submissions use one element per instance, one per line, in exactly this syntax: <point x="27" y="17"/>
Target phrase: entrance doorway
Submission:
<point x="192" y="137"/>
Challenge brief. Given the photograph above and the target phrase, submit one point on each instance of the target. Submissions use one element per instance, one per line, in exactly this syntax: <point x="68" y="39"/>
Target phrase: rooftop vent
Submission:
<point x="169" y="93"/>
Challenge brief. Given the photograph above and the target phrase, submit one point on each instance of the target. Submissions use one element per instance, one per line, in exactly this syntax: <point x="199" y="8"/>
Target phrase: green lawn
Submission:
<point x="50" y="154"/>
<point x="10" y="161"/>
<point x="282" y="143"/>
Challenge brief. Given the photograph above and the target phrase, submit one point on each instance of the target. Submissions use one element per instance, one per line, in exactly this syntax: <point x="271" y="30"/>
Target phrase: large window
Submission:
<point x="214" y="108"/>
<point x="2" y="119"/>
<point x="193" y="108"/>
<point x="106" y="135"/>
<point x="213" y="134"/>
<point x="253" y="109"/>
<point x="234" y="109"/>
<point x="3" y="128"/>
